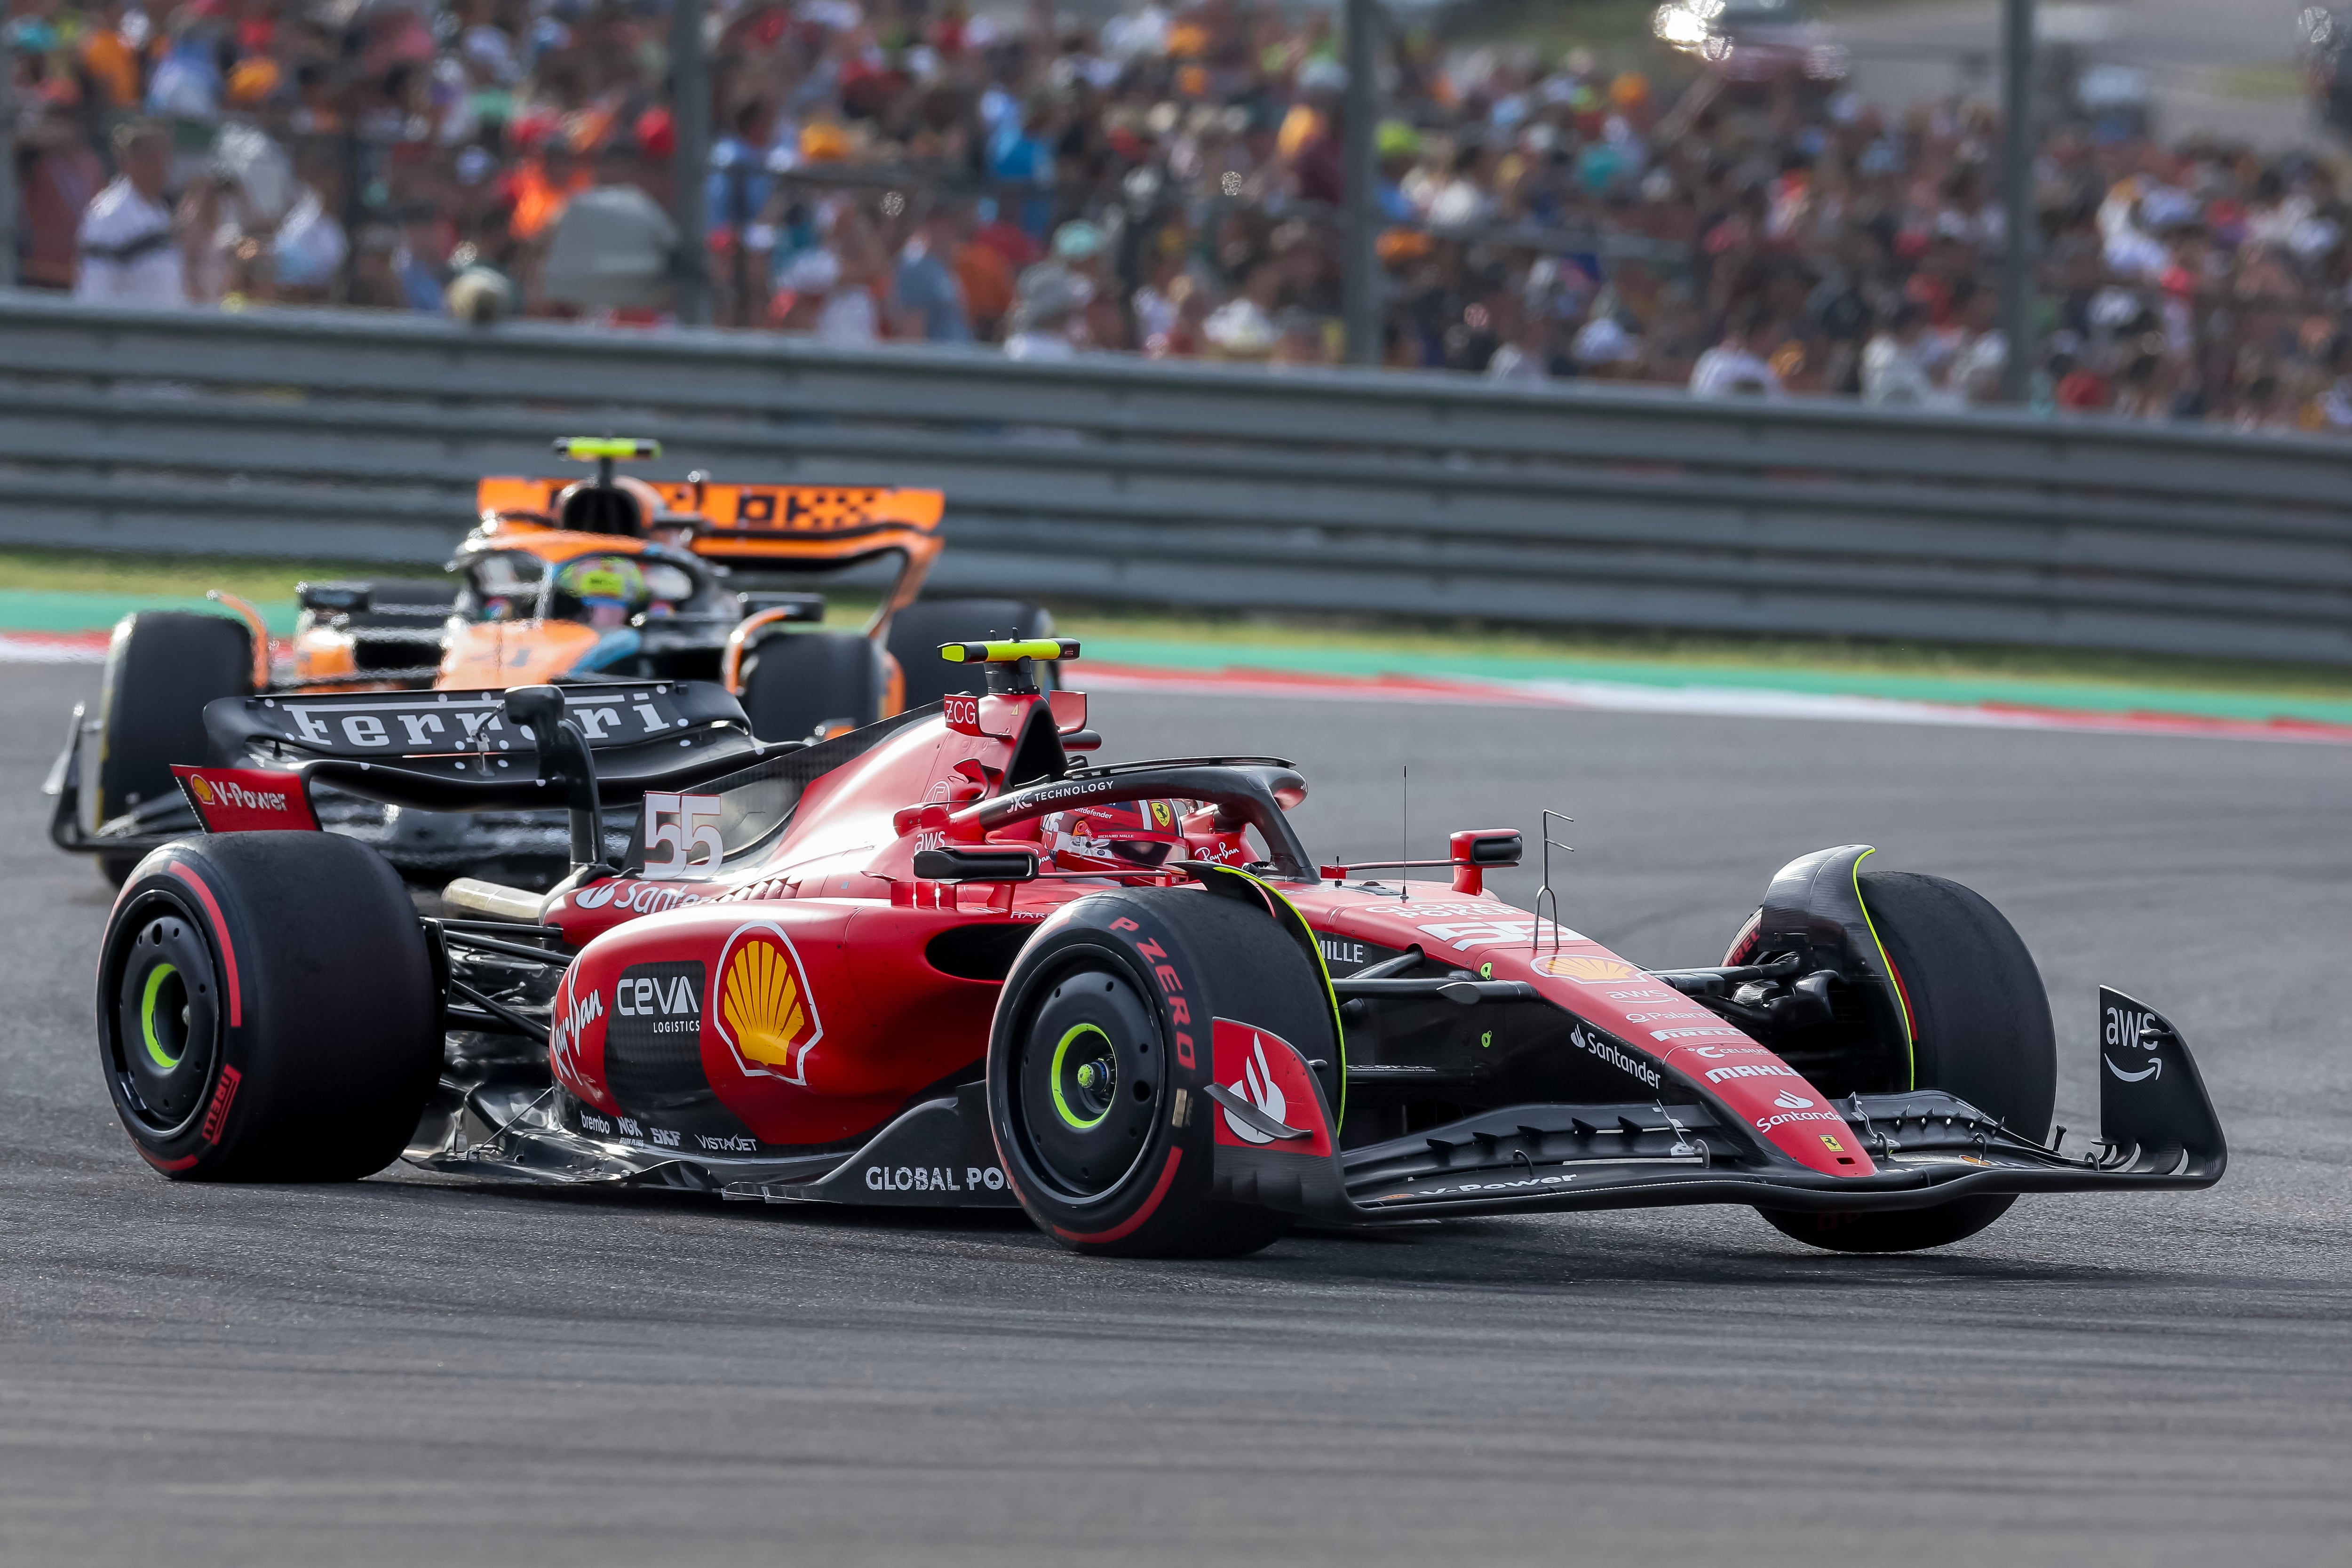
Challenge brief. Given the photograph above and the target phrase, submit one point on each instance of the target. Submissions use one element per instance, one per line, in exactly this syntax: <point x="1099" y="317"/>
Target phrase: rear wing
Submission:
<point x="459" y="750"/>
<point x="762" y="524"/>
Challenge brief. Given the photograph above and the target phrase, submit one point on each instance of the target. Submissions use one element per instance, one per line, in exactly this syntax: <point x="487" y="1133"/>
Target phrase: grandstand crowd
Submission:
<point x="1167" y="183"/>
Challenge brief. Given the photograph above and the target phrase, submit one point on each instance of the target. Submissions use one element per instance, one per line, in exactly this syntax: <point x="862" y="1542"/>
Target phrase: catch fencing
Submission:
<point x="355" y="436"/>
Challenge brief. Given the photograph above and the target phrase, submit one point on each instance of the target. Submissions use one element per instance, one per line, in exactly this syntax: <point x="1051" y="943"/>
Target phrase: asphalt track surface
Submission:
<point x="412" y="1371"/>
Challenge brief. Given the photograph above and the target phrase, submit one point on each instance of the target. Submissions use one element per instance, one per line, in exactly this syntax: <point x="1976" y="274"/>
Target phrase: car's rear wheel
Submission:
<point x="1100" y="1058"/>
<point x="1981" y="1029"/>
<point x="917" y="631"/>
<point x="797" y="683"/>
<point x="266" y="1009"/>
<point x="162" y="667"/>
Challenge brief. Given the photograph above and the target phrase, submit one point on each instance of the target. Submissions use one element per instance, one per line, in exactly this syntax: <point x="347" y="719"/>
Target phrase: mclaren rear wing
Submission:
<point x="766" y="524"/>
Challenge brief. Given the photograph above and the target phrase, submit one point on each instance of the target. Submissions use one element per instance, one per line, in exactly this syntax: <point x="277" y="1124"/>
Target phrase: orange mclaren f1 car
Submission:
<point x="565" y="580"/>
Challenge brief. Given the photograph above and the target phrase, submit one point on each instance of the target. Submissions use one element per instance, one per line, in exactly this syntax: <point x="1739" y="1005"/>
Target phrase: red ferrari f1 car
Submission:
<point x="949" y="960"/>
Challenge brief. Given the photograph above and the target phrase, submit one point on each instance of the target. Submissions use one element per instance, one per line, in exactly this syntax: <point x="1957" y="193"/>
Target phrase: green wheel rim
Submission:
<point x="1105" y="1062"/>
<point x="155" y="1052"/>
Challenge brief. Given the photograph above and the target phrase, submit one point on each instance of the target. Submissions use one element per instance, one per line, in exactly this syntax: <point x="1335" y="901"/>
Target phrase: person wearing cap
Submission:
<point x="128" y="252"/>
<point x="1058" y="289"/>
<point x="1398" y="146"/>
<point x="803" y="284"/>
<point x="1603" y="350"/>
<point x="1043" y="316"/>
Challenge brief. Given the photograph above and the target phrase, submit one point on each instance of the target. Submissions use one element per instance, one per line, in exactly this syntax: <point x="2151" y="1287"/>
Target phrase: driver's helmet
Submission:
<point x="601" y="590"/>
<point x="1135" y="834"/>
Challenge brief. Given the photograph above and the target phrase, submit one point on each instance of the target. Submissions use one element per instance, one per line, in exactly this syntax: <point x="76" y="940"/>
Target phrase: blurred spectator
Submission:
<point x="129" y="248"/>
<point x="1242" y="327"/>
<point x="1021" y="152"/>
<point x="186" y="82"/>
<point x="802" y="288"/>
<point x="1062" y="285"/>
<point x="1527" y="354"/>
<point x="1046" y="316"/>
<point x="1737" y="366"/>
<point x="1169" y="180"/>
<point x="614" y="249"/>
<point x="1603" y="348"/>
<point x="988" y="264"/>
<point x="926" y="294"/>
<point x="1895" y="365"/>
<point x="57" y="173"/>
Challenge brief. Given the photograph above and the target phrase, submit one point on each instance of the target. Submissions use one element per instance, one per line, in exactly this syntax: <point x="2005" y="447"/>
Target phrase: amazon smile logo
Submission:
<point x="2129" y="1029"/>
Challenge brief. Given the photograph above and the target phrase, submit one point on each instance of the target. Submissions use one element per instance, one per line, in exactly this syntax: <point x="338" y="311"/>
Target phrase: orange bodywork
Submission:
<point x="775" y="526"/>
<point x="550" y="545"/>
<point x="491" y="654"/>
<point x="322" y="653"/>
<point x="755" y="525"/>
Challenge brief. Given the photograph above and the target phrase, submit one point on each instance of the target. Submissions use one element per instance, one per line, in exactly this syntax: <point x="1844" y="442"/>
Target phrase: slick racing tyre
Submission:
<point x="917" y="631"/>
<point x="794" y="682"/>
<point x="266" y="1009"/>
<point x="162" y="667"/>
<point x="1100" y="1054"/>
<point x="1981" y="1030"/>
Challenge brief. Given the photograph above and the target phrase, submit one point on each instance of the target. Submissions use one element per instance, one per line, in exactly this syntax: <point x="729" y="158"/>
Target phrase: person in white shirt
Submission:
<point x="1895" y="363"/>
<point x="129" y="253"/>
<point x="1737" y="366"/>
<point x="1526" y="355"/>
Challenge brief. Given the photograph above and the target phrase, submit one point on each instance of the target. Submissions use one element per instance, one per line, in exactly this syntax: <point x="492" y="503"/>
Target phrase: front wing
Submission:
<point x="2158" y="1125"/>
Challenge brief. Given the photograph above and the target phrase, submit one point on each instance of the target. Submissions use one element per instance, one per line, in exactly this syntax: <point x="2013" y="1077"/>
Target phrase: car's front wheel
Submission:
<point x="1101" y="1056"/>
<point x="1981" y="1029"/>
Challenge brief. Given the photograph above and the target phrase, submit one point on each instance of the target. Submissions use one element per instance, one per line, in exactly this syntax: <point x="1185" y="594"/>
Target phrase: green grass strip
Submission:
<point x="2074" y="696"/>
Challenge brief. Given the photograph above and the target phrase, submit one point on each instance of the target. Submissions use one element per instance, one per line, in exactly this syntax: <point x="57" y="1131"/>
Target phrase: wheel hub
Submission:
<point x="167" y="1029"/>
<point x="1088" y="1082"/>
<point x="1085" y="1077"/>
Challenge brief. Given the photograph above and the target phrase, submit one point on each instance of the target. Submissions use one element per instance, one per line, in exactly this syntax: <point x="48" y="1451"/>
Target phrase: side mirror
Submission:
<point x="334" y="598"/>
<point x="1487" y="846"/>
<point x="1474" y="849"/>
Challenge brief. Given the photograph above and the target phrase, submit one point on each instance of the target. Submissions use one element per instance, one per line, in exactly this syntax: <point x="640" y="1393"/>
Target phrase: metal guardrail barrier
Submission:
<point x="1204" y="485"/>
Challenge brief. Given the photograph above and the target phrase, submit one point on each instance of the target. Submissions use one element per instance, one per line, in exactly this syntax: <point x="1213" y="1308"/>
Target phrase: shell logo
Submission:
<point x="763" y="1007"/>
<point x="1591" y="971"/>
<point x="204" y="791"/>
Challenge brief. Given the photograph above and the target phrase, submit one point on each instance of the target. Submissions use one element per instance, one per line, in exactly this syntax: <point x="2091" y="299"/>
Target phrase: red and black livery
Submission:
<point x="950" y="959"/>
